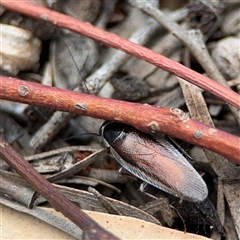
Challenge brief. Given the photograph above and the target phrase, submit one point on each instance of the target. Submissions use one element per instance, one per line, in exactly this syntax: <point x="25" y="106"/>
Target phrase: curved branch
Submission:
<point x="122" y="44"/>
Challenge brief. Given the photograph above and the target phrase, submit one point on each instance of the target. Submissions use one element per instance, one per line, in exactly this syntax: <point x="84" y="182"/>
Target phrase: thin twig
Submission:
<point x="117" y="42"/>
<point x="58" y="151"/>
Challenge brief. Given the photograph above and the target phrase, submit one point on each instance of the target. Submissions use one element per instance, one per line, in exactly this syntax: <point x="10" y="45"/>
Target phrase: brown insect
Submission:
<point x="155" y="161"/>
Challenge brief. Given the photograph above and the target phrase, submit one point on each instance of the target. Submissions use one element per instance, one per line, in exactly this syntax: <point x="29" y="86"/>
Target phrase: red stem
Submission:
<point x="147" y="118"/>
<point x="117" y="42"/>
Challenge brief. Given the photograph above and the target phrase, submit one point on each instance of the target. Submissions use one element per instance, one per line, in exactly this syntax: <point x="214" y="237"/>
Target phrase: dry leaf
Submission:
<point x="28" y="227"/>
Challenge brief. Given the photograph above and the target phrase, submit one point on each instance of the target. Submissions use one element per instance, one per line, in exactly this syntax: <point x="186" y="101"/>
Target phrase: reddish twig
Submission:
<point x="172" y="121"/>
<point x="90" y="228"/>
<point x="117" y="42"/>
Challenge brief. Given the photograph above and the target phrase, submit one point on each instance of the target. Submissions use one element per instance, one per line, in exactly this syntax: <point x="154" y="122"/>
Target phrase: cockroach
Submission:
<point x="155" y="161"/>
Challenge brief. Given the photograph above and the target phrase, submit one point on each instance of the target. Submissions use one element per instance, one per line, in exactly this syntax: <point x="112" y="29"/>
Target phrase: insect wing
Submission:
<point x="159" y="164"/>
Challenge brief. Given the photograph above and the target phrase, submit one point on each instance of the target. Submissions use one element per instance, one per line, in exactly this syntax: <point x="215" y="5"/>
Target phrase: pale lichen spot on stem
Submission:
<point x="198" y="133"/>
<point x="183" y="117"/>
<point x="81" y="106"/>
<point x="45" y="17"/>
<point x="154" y="126"/>
<point x="212" y="131"/>
<point x="23" y="90"/>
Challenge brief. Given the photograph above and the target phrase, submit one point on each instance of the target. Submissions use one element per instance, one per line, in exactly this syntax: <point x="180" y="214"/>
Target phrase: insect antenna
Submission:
<point x="83" y="88"/>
